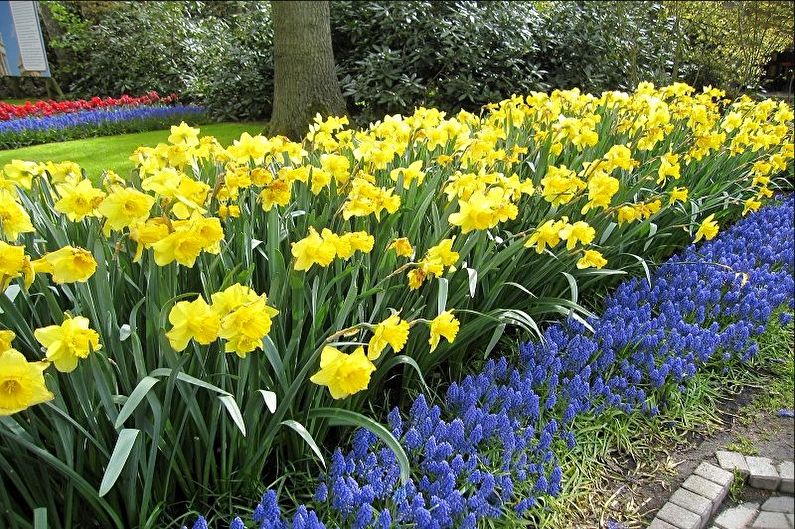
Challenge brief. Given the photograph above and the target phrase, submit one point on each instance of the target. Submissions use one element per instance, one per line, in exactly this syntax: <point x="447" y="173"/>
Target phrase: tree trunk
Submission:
<point x="305" y="82"/>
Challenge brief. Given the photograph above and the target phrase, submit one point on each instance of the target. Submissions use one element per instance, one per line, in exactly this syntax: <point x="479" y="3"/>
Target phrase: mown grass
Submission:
<point x="20" y="101"/>
<point x="112" y="152"/>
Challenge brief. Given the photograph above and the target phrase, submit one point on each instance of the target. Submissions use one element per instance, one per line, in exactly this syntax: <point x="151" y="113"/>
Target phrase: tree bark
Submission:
<point x="305" y="82"/>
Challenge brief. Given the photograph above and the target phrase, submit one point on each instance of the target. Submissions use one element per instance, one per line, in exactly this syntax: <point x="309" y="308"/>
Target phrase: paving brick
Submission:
<point x="679" y="517"/>
<point x="780" y="504"/>
<point x="704" y="487"/>
<point x="659" y="524"/>
<point x="771" y="520"/>
<point x="731" y="461"/>
<point x="763" y="473"/>
<point x="785" y="471"/>
<point x="714" y="474"/>
<point x="737" y="517"/>
<point x="694" y="503"/>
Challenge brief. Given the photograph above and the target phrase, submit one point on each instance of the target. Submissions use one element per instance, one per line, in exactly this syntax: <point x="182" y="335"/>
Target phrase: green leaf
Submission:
<point x="572" y="286"/>
<point x="40" y="518"/>
<point x="135" y="399"/>
<point x="441" y="299"/>
<point x="270" y="399"/>
<point x="338" y="416"/>
<point x="118" y="458"/>
<point x="306" y="436"/>
<point x="165" y="372"/>
<point x="495" y="337"/>
<point x="234" y="412"/>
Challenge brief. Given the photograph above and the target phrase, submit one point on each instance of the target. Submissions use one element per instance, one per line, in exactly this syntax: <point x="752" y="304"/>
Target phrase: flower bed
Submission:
<point x="271" y="290"/>
<point x="492" y="446"/>
<point x="91" y="123"/>
<point x="51" y="107"/>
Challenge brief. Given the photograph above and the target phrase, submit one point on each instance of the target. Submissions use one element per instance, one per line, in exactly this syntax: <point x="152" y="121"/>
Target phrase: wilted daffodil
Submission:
<point x="68" y="342"/>
<point x="67" y="265"/>
<point x="343" y="374"/>
<point x="708" y="229"/>
<point x="21" y="383"/>
<point x="579" y="232"/>
<point x="591" y="259"/>
<point x="402" y="247"/>
<point x="192" y="320"/>
<point x="445" y="324"/>
<point x="392" y="331"/>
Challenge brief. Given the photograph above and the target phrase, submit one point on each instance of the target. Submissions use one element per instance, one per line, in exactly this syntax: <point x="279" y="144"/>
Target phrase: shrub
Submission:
<point x="378" y="246"/>
<point x="449" y="55"/>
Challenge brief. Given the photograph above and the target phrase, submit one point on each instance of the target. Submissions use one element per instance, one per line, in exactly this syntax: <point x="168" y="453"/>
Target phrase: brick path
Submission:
<point x="695" y="503"/>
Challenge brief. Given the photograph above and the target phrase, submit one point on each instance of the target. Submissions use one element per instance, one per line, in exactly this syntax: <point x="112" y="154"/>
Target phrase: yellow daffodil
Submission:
<point x="751" y="205"/>
<point x="392" y="331"/>
<point x="21" y="173"/>
<point x="591" y="259"/>
<point x="445" y="324"/>
<point x="21" y="383"/>
<point x="601" y="189"/>
<point x="669" y="167"/>
<point x="548" y="234"/>
<point x="678" y="194"/>
<point x="708" y="229"/>
<point x="192" y="320"/>
<point x="416" y="277"/>
<point x="12" y="262"/>
<point x="6" y="337"/>
<point x="68" y="342"/>
<point x="184" y="134"/>
<point x="246" y="326"/>
<point x="343" y="374"/>
<point x="67" y="265"/>
<point x="579" y="232"/>
<point x="411" y="173"/>
<point x="125" y="207"/>
<point x="402" y="247"/>
<point x="14" y="220"/>
<point x="276" y="193"/>
<point x="337" y="166"/>
<point x="311" y="250"/>
<point x="78" y="200"/>
<point x="628" y="214"/>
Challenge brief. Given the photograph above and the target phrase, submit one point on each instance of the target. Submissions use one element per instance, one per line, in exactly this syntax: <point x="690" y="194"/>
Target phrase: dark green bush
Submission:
<point x="463" y="54"/>
<point x="391" y="56"/>
<point x="611" y="45"/>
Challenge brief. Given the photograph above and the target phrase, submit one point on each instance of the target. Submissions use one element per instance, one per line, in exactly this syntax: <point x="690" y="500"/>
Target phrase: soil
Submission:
<point x="637" y="497"/>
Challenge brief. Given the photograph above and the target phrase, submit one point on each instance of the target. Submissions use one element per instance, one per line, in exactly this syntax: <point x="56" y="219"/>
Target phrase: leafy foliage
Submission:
<point x="448" y="55"/>
<point x="727" y="44"/>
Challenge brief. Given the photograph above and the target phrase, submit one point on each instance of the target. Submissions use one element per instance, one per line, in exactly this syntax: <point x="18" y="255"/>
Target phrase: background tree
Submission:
<point x="305" y="81"/>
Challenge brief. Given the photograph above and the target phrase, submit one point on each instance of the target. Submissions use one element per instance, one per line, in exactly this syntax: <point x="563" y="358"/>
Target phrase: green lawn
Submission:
<point x="20" y="101"/>
<point x="111" y="152"/>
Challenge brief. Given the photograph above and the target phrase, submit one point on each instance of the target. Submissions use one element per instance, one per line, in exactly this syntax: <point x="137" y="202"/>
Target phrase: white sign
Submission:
<point x="31" y="45"/>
